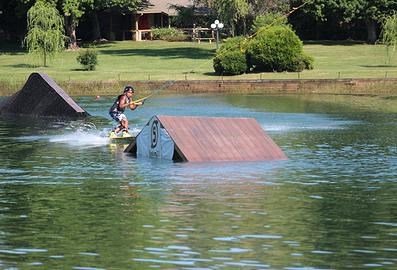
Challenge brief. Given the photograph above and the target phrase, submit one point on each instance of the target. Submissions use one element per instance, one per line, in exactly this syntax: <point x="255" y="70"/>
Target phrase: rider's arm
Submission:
<point x="122" y="103"/>
<point x="133" y="106"/>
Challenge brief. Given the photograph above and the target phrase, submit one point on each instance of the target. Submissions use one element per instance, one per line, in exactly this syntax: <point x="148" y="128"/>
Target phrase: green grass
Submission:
<point x="159" y="60"/>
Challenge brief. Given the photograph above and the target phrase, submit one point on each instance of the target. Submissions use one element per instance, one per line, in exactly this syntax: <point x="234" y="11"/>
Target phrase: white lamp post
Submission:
<point x="217" y="26"/>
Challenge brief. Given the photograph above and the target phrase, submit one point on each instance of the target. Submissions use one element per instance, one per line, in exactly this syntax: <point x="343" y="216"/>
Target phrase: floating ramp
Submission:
<point x="41" y="96"/>
<point x="205" y="139"/>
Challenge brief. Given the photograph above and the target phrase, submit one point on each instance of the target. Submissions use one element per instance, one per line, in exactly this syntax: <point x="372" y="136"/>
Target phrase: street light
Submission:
<point x="217" y="26"/>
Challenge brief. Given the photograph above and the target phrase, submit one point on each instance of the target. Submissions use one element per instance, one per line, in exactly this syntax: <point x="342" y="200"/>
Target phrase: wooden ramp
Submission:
<point x="205" y="139"/>
<point x="41" y="96"/>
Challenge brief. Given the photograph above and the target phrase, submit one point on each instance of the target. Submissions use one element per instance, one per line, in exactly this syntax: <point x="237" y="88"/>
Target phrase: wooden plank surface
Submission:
<point x="204" y="139"/>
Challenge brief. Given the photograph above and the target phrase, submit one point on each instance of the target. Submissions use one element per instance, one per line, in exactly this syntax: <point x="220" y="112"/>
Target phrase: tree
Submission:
<point x="269" y="19"/>
<point x="13" y="19"/>
<point x="373" y="12"/>
<point x="342" y="12"/>
<point x="231" y="12"/>
<point x="238" y="14"/>
<point x="122" y="6"/>
<point x="260" y="7"/>
<point x="45" y="35"/>
<point x="389" y="35"/>
<point x="73" y="10"/>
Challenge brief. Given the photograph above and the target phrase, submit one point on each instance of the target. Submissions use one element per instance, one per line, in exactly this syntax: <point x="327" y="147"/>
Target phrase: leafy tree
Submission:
<point x="389" y="35"/>
<point x="371" y="12"/>
<point x="234" y="13"/>
<point x="122" y="6"/>
<point x="13" y="18"/>
<point x="230" y="12"/>
<point x="268" y="19"/>
<point x="187" y="16"/>
<point x="73" y="10"/>
<point x="45" y="35"/>
<point x="260" y="7"/>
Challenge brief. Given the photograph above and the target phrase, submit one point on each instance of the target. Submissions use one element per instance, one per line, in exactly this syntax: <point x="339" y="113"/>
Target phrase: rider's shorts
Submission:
<point x="118" y="116"/>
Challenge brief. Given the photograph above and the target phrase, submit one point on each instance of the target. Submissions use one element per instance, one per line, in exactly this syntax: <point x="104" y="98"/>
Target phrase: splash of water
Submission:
<point x="81" y="138"/>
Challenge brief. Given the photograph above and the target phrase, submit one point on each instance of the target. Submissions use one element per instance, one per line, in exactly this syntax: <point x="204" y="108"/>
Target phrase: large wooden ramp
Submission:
<point x="41" y="96"/>
<point x="205" y="139"/>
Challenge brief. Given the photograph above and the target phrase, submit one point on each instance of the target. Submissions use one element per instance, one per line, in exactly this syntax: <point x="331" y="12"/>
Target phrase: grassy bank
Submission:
<point x="158" y="60"/>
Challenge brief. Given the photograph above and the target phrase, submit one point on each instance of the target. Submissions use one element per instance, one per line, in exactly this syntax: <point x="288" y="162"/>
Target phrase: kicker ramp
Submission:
<point x="41" y="96"/>
<point x="205" y="139"/>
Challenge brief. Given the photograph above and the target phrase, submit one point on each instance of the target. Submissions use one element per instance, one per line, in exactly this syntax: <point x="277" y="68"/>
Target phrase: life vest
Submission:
<point x="115" y="107"/>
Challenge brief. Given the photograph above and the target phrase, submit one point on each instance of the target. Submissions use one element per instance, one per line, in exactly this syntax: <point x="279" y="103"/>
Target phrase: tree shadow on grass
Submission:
<point x="378" y="66"/>
<point x="165" y="53"/>
<point x="334" y="42"/>
<point x="213" y="74"/>
<point x="390" y="97"/>
<point x="23" y="66"/>
<point x="99" y="44"/>
<point x="80" y="69"/>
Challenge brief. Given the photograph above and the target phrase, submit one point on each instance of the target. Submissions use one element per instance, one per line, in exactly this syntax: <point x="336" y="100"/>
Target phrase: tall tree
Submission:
<point x="73" y="10"/>
<point x="371" y="12"/>
<point x="235" y="13"/>
<point x="45" y="30"/>
<point x="232" y="12"/>
<point x="374" y="12"/>
<point x="122" y="6"/>
<point x="260" y="7"/>
<point x="389" y="35"/>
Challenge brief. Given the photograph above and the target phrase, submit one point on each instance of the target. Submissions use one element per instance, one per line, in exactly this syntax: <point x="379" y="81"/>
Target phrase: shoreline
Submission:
<point x="353" y="86"/>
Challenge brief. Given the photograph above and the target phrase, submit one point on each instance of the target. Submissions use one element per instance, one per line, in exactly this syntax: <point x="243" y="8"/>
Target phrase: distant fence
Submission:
<point x="287" y="86"/>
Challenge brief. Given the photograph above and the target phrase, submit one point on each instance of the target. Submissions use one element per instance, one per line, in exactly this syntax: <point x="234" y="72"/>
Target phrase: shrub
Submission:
<point x="230" y="63"/>
<point x="230" y="58"/>
<point x="88" y="58"/>
<point x="168" y="34"/>
<point x="277" y="48"/>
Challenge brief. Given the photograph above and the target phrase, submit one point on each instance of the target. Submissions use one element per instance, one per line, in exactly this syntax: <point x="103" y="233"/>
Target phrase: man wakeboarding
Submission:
<point x="117" y="112"/>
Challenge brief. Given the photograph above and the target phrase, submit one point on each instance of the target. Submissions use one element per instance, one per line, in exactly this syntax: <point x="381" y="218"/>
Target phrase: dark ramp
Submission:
<point x="41" y="96"/>
<point x="205" y="139"/>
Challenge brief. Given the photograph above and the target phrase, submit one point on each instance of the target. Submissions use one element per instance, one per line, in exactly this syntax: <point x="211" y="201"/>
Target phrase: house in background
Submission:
<point x="137" y="25"/>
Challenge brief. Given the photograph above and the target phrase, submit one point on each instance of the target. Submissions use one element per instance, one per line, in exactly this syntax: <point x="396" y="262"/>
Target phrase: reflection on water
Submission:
<point x="70" y="199"/>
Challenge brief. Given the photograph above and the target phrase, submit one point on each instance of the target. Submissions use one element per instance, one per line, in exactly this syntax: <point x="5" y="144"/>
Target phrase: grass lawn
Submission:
<point x="159" y="60"/>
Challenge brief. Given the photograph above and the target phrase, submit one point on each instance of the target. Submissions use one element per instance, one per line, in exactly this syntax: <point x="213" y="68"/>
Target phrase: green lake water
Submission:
<point x="70" y="199"/>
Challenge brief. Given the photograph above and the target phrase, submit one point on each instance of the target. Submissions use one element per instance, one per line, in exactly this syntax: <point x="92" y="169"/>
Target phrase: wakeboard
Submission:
<point x="122" y="137"/>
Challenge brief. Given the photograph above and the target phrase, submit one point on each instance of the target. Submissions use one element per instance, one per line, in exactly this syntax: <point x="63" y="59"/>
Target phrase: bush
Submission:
<point x="168" y="34"/>
<point x="277" y="48"/>
<point x="230" y="63"/>
<point x="230" y="58"/>
<point x="88" y="58"/>
<point x="300" y="63"/>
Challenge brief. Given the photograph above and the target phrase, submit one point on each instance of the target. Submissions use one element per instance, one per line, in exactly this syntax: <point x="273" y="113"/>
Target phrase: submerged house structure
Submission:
<point x="137" y="25"/>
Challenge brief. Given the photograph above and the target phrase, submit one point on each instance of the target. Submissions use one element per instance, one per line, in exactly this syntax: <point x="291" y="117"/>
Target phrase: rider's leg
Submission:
<point x="124" y="124"/>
